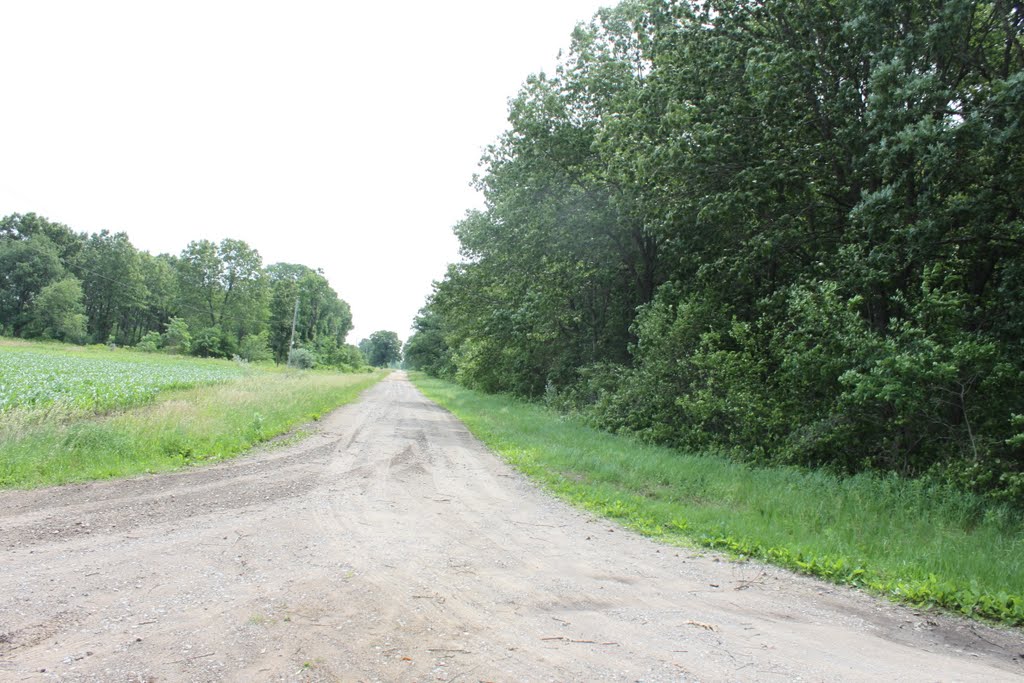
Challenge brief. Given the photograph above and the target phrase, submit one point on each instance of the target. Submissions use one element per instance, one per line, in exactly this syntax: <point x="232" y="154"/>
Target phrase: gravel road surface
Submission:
<point x="393" y="546"/>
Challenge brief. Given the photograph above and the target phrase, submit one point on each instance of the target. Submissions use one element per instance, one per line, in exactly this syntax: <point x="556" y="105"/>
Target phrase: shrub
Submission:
<point x="256" y="347"/>
<point x="150" y="342"/>
<point x="302" y="359"/>
<point x="58" y="312"/>
<point x="177" y="338"/>
<point x="211" y="342"/>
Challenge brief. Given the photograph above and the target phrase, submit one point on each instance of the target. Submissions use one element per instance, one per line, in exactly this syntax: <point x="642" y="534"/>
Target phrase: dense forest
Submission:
<point x="215" y="300"/>
<point x="790" y="231"/>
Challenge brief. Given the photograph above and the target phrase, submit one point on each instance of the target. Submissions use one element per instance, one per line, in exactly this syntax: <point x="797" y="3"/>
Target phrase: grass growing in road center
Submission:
<point x="906" y="539"/>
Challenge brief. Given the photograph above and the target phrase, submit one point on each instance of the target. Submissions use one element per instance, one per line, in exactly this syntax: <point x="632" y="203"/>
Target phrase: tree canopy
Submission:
<point x="788" y="230"/>
<point x="213" y="299"/>
<point x="382" y="349"/>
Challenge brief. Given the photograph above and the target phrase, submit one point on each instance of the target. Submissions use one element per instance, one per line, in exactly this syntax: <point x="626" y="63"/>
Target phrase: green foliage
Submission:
<point x="150" y="342"/>
<point x="788" y="231"/>
<point x="303" y="296"/>
<point x="382" y="349"/>
<point x="110" y="269"/>
<point x="427" y="349"/>
<point x="57" y="312"/>
<point x="28" y="226"/>
<point x="304" y="359"/>
<point x="27" y="265"/>
<point x="256" y="347"/>
<point x="214" y="299"/>
<point x="224" y="289"/>
<point x="210" y="342"/>
<point x="344" y="357"/>
<point x="177" y="338"/>
<point x="559" y="260"/>
<point x="349" y="356"/>
<point x="162" y="294"/>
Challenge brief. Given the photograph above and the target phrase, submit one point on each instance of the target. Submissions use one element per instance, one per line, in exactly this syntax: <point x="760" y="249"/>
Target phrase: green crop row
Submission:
<point x="37" y="379"/>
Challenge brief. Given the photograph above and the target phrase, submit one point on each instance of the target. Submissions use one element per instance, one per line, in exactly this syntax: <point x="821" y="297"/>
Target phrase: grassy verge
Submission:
<point x="179" y="428"/>
<point x="904" y="539"/>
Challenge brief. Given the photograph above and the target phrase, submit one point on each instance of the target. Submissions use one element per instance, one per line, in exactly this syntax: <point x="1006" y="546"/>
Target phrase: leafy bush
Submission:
<point x="304" y="359"/>
<point x="58" y="313"/>
<point x="150" y="342"/>
<point x="177" y="338"/>
<point x="349" y="357"/>
<point x="212" y="342"/>
<point x="256" y="347"/>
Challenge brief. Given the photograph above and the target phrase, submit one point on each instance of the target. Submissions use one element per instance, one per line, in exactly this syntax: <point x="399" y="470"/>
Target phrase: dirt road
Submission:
<point x="392" y="546"/>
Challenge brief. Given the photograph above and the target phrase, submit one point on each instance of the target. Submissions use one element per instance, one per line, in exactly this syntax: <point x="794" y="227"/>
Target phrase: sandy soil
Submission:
<point x="392" y="546"/>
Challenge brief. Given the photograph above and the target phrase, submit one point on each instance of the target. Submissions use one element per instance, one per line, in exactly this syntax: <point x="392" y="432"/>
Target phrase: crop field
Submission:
<point x="71" y="413"/>
<point x="33" y="379"/>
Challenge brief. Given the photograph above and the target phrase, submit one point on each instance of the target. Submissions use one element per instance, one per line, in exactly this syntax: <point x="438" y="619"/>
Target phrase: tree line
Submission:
<point x="790" y="231"/>
<point x="213" y="299"/>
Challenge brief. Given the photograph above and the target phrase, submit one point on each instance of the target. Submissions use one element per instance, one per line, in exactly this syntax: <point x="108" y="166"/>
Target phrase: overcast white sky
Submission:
<point x="340" y="135"/>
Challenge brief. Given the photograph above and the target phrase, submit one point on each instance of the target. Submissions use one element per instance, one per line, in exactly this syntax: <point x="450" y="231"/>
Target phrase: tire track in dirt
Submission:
<point x="392" y="546"/>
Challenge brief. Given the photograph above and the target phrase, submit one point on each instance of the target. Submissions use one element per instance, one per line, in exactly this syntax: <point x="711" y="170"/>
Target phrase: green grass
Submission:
<point x="46" y="443"/>
<point x="905" y="539"/>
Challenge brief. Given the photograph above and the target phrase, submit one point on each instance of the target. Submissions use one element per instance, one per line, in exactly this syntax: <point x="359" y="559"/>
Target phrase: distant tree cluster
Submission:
<point x="789" y="230"/>
<point x="215" y="300"/>
<point x="382" y="349"/>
